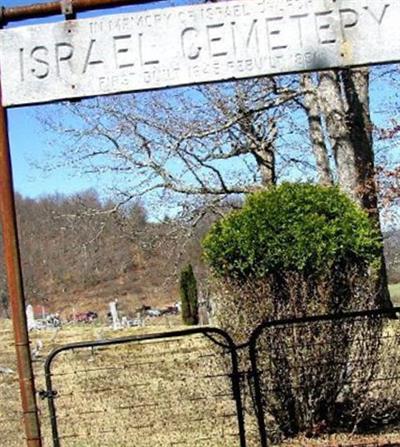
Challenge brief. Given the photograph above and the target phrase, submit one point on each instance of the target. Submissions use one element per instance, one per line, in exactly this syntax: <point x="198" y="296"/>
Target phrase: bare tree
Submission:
<point x="70" y="241"/>
<point x="215" y="141"/>
<point x="210" y="143"/>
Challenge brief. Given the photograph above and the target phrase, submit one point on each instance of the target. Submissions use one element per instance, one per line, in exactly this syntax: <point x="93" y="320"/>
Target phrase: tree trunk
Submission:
<point x="259" y="140"/>
<point x="264" y="153"/>
<point x="316" y="132"/>
<point x="356" y="90"/>
<point x="344" y="100"/>
<point x="334" y="109"/>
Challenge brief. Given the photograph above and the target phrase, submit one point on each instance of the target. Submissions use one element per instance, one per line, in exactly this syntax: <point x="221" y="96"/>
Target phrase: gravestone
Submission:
<point x="30" y="318"/>
<point x="116" y="323"/>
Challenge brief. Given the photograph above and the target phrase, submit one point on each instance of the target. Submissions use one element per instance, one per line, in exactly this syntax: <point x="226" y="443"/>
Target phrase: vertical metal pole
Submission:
<point x="237" y="394"/>
<point x="259" y="407"/>
<point x="15" y="288"/>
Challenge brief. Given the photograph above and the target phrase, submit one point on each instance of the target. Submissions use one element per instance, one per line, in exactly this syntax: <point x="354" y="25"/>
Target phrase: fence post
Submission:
<point x="259" y="407"/>
<point x="236" y="389"/>
<point x="15" y="289"/>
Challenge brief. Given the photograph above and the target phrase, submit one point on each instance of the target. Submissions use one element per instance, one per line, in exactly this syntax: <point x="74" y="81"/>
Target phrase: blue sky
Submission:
<point x="28" y="142"/>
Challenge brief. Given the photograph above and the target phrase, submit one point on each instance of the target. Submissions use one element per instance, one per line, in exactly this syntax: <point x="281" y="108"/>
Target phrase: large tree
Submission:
<point x="345" y="105"/>
<point x="208" y="142"/>
<point x="203" y="147"/>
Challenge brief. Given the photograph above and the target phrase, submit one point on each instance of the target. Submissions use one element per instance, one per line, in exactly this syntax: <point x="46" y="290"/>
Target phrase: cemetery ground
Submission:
<point x="149" y="394"/>
<point x="148" y="399"/>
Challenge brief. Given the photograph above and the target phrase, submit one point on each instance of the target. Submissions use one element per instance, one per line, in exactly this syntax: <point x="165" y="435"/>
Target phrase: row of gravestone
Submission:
<point x="49" y="321"/>
<point x="53" y="320"/>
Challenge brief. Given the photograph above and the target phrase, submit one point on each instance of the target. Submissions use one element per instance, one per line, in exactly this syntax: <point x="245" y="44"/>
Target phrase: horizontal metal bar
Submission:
<point x="141" y="338"/>
<point x="40" y="10"/>
<point x="374" y="313"/>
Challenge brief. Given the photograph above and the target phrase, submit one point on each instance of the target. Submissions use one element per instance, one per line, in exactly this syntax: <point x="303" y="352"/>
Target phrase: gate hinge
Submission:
<point x="45" y="394"/>
<point x="67" y="9"/>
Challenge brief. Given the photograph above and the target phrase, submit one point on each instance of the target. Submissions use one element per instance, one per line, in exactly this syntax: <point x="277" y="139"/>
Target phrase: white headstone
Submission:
<point x="116" y="324"/>
<point x="30" y="317"/>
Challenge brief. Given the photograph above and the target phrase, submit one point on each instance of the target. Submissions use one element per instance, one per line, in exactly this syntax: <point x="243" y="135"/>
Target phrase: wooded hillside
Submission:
<point x="82" y="252"/>
<point x="78" y="251"/>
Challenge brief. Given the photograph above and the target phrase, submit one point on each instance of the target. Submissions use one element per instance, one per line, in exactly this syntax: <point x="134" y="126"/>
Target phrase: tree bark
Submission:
<point x="344" y="99"/>
<point x="312" y="108"/>
<point x="334" y="109"/>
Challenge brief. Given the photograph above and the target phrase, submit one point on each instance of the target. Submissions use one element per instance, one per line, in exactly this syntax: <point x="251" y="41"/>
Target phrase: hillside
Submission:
<point x="141" y="286"/>
<point x="78" y="252"/>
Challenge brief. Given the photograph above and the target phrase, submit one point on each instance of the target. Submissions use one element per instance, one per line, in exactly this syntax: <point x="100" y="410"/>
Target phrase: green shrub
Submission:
<point x="293" y="227"/>
<point x="189" y="299"/>
<point x="296" y="250"/>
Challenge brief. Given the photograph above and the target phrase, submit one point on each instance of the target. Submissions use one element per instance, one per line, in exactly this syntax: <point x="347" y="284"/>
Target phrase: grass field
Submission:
<point x="164" y="393"/>
<point x="159" y="394"/>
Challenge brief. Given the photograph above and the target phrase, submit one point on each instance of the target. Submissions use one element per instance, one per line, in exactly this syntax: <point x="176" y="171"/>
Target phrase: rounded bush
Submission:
<point x="297" y="227"/>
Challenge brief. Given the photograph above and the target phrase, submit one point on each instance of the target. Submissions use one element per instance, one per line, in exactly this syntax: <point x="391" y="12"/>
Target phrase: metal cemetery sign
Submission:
<point x="193" y="44"/>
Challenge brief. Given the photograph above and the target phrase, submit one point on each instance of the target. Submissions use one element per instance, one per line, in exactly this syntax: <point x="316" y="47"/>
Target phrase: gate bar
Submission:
<point x="15" y="288"/>
<point x="230" y="347"/>
<point x="39" y="10"/>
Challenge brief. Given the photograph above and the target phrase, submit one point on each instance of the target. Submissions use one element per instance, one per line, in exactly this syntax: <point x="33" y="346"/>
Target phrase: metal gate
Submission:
<point x="180" y="388"/>
<point x="196" y="387"/>
<point x="330" y="373"/>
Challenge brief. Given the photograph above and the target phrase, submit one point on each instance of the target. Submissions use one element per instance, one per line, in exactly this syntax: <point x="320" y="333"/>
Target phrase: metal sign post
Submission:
<point x="15" y="289"/>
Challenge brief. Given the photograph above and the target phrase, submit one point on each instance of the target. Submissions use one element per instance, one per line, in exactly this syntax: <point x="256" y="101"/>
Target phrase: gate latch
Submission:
<point x="45" y="394"/>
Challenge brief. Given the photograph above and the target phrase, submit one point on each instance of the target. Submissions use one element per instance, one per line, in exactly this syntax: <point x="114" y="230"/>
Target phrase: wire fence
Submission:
<point x="338" y="374"/>
<point x="176" y="389"/>
<point x="316" y="381"/>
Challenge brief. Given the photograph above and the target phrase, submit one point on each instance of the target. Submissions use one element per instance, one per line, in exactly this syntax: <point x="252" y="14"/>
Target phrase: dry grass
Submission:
<point x="158" y="394"/>
<point x="165" y="393"/>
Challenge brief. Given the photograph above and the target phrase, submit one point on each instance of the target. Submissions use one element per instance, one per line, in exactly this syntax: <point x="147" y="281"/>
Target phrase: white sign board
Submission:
<point x="194" y="44"/>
